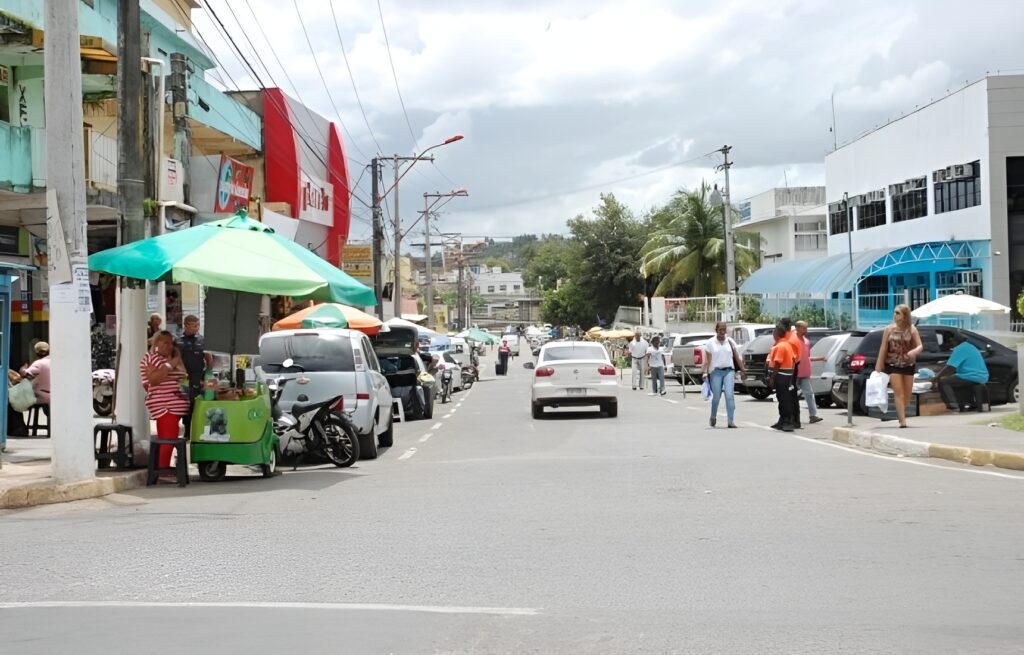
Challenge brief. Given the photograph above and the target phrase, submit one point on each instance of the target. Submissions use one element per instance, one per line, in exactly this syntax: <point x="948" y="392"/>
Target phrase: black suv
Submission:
<point x="755" y="356"/>
<point x="936" y="339"/>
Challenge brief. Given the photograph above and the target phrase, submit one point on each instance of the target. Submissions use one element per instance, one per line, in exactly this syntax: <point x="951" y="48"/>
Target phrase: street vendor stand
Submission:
<point x="241" y="259"/>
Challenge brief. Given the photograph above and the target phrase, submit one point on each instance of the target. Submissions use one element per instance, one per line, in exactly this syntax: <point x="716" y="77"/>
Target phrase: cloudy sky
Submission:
<point x="561" y="100"/>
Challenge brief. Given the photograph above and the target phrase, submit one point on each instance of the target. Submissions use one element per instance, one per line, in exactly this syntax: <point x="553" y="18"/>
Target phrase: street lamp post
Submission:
<point x="397" y="292"/>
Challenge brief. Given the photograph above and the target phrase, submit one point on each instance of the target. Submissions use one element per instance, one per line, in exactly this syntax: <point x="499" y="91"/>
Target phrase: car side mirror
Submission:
<point x="528" y="365"/>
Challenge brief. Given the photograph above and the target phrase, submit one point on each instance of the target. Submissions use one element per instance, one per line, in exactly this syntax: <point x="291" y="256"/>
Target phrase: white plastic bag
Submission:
<point x="705" y="390"/>
<point x="21" y="396"/>
<point x="876" y="391"/>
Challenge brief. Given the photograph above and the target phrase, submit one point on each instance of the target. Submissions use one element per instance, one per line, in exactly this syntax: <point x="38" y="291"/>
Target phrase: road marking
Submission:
<point x="407" y="454"/>
<point x="696" y="409"/>
<point x="448" y="415"/>
<point x="374" y="607"/>
<point x="424" y="438"/>
<point x="674" y="402"/>
<point x="437" y="426"/>
<point x="888" y="458"/>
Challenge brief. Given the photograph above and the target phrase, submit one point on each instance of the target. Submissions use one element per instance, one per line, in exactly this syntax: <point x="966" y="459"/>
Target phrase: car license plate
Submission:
<point x="575" y="391"/>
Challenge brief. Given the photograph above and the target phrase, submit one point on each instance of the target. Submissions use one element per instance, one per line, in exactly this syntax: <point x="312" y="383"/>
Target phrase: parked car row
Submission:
<point x="369" y="372"/>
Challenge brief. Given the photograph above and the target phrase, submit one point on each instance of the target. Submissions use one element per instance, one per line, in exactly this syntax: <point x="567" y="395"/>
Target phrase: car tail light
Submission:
<point x="340" y="405"/>
<point x="362" y="396"/>
<point x="544" y="372"/>
<point x="698" y="356"/>
<point x="606" y="370"/>
<point x="857" y="362"/>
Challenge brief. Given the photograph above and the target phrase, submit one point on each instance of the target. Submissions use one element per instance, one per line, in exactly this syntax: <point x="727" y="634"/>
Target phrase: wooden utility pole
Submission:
<point x="132" y="311"/>
<point x="70" y="299"/>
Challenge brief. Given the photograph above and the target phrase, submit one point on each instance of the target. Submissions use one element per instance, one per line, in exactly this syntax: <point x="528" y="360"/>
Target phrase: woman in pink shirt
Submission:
<point x="39" y="373"/>
<point x="162" y="375"/>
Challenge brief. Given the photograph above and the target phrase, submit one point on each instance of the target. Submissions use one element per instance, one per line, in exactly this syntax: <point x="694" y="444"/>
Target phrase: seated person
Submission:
<point x="39" y="373"/>
<point x="964" y="369"/>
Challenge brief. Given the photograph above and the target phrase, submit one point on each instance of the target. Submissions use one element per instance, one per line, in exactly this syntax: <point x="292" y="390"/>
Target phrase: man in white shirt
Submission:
<point x="637" y="354"/>
<point x="656" y="364"/>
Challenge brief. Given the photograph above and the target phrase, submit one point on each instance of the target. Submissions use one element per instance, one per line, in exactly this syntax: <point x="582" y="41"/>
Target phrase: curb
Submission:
<point x="30" y="495"/>
<point x="900" y="446"/>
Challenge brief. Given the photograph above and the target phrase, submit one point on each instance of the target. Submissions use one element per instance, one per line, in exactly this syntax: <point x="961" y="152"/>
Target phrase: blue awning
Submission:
<point x="812" y="278"/>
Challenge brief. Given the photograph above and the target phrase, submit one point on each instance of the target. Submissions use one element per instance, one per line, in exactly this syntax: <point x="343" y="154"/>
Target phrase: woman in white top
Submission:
<point x="720" y="362"/>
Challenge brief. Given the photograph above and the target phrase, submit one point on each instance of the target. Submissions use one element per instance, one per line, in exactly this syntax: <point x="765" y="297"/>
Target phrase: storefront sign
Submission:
<point x="357" y="260"/>
<point x="316" y="202"/>
<point x="234" y="186"/>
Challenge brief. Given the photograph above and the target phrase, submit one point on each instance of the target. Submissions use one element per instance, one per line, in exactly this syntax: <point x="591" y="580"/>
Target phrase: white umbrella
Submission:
<point x="405" y="323"/>
<point x="959" y="304"/>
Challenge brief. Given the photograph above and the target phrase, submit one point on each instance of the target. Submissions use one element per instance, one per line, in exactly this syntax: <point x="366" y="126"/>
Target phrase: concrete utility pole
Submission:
<point x="71" y="415"/>
<point x="396" y="294"/>
<point x="132" y="311"/>
<point x="179" y="114"/>
<point x="378" y="237"/>
<point x="430" y="262"/>
<point x="730" y="247"/>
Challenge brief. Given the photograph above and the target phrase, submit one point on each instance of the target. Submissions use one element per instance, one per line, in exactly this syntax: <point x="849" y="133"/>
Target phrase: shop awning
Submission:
<point x="812" y="278"/>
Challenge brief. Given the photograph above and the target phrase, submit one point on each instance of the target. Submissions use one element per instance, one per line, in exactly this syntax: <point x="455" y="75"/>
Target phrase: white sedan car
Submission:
<point x="574" y="373"/>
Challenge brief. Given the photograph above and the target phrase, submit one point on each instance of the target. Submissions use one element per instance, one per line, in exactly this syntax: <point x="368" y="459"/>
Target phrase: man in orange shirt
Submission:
<point x="793" y="339"/>
<point x="783" y="367"/>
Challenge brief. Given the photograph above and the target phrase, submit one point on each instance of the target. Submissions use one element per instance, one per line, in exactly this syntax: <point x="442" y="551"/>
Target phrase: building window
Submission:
<point x="503" y="287"/>
<point x="950" y="282"/>
<point x="516" y="287"/>
<point x="957" y="187"/>
<point x="873" y="293"/>
<point x="871" y="214"/>
<point x="490" y="289"/>
<point x="837" y="218"/>
<point x="744" y="211"/>
<point x="811" y="242"/>
<point x="909" y="200"/>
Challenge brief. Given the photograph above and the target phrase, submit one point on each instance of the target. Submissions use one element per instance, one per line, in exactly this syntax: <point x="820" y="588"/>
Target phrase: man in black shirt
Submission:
<point x="196" y="361"/>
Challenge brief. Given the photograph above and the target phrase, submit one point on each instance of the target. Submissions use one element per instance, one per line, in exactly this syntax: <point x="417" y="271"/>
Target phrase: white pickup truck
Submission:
<point x="684" y="359"/>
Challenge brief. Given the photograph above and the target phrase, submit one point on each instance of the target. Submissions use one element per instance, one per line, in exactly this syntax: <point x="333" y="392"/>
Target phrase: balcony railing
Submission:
<point x="101" y="160"/>
<point x="15" y="157"/>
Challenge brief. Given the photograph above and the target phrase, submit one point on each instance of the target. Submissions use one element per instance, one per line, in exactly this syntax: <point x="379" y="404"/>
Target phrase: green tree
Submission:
<point x="551" y="262"/>
<point x="566" y="305"/>
<point x="609" y="245"/>
<point x="499" y="261"/>
<point x="687" y="246"/>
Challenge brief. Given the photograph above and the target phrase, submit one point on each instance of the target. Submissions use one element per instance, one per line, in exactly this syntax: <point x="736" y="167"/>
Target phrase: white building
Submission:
<point x="935" y="206"/>
<point x="495" y="284"/>
<point x="791" y="222"/>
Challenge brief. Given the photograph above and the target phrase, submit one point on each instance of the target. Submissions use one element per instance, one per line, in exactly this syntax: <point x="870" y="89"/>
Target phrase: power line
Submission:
<point x="394" y="74"/>
<point x="297" y="129"/>
<point x="316" y="63"/>
<point x="559" y="194"/>
<point x="352" y="78"/>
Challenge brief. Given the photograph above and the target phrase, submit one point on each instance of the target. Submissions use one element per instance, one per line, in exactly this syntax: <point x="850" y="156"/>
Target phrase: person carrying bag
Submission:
<point x="721" y="361"/>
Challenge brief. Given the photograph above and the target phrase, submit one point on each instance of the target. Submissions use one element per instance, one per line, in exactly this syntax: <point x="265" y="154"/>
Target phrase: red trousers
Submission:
<point x="166" y="428"/>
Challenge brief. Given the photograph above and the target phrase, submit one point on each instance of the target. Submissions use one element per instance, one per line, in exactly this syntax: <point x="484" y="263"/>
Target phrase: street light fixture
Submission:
<point x="399" y="174"/>
<point x="722" y="200"/>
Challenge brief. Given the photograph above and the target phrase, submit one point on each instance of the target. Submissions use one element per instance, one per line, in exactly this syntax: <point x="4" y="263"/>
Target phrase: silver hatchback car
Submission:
<point x="328" y="362"/>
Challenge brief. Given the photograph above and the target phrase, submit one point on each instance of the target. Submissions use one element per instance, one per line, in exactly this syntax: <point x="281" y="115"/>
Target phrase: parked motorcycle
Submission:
<point x="470" y="374"/>
<point x="103" y="391"/>
<point x="446" y="384"/>
<point x="322" y="427"/>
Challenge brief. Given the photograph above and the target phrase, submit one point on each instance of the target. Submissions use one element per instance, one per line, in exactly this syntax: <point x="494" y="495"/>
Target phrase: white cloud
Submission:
<point x="559" y="96"/>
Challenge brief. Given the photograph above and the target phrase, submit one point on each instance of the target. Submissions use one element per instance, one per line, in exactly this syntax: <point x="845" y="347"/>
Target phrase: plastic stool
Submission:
<point x="397" y="408"/>
<point x="124" y="456"/>
<point x="181" y="467"/>
<point x="34" y="427"/>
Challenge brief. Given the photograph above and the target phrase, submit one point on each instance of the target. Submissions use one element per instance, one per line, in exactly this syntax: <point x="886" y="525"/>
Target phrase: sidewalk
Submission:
<point x="26" y="478"/>
<point x="969" y="438"/>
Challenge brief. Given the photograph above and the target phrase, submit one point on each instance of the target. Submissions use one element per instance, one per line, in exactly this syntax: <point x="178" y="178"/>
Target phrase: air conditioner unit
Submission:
<point x="963" y="170"/>
<point x="938" y="176"/>
<point x="918" y="183"/>
<point x="950" y="172"/>
<point x="877" y="196"/>
<point x="896" y="189"/>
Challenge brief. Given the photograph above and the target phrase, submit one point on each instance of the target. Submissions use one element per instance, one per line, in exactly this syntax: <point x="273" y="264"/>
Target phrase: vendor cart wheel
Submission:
<point x="212" y="471"/>
<point x="271" y="466"/>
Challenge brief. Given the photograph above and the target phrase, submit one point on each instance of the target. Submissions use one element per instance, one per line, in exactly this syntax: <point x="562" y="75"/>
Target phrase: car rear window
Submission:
<point x="313" y="352"/>
<point x="579" y="351"/>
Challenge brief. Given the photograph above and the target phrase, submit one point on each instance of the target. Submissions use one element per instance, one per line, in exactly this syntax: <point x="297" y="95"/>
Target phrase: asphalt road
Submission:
<point x="484" y="531"/>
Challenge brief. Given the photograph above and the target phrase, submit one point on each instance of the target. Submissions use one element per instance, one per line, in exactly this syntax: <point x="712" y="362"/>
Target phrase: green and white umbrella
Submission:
<point x="237" y="254"/>
<point x="476" y="334"/>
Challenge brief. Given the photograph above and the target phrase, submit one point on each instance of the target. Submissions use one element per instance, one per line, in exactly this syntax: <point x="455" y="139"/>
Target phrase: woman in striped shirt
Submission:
<point x="162" y="374"/>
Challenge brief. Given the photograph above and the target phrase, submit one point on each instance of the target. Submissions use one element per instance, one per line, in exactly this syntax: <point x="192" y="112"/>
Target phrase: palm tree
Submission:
<point x="688" y="246"/>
